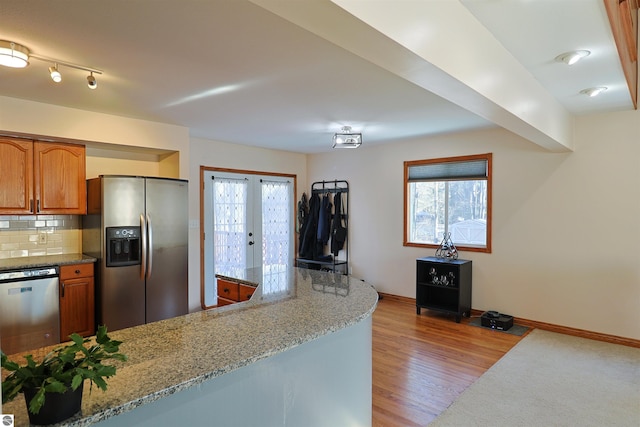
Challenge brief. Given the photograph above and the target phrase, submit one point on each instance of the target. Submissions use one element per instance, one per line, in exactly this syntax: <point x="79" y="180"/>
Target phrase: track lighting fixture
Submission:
<point x="17" y="56"/>
<point x="55" y="74"/>
<point x="91" y="81"/>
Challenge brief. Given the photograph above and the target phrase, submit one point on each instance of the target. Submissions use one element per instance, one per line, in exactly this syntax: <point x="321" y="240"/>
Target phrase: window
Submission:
<point x="449" y="195"/>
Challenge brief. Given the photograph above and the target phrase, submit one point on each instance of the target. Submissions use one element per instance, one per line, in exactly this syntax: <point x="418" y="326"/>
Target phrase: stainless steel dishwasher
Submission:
<point x="29" y="309"/>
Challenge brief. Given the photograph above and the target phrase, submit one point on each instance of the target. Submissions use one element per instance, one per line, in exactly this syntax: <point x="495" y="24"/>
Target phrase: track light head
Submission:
<point x="55" y="74"/>
<point x="91" y="81"/>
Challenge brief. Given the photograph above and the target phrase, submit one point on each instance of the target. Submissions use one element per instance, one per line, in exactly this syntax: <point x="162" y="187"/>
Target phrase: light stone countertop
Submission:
<point x="287" y="309"/>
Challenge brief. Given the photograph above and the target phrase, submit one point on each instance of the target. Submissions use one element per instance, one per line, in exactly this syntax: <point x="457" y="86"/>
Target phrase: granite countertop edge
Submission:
<point x="308" y="309"/>
<point x="44" y="261"/>
<point x="159" y="394"/>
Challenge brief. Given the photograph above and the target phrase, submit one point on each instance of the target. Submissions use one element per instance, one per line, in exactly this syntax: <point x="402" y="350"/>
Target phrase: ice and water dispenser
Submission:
<point x="123" y="246"/>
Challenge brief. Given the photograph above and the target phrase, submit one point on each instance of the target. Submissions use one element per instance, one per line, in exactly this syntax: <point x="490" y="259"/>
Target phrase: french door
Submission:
<point x="249" y="222"/>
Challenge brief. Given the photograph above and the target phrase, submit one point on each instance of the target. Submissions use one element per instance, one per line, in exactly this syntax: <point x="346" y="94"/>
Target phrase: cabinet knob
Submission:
<point x="77" y="271"/>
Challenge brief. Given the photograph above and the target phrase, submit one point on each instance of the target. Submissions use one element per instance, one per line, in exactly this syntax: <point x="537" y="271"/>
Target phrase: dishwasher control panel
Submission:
<point x="28" y="274"/>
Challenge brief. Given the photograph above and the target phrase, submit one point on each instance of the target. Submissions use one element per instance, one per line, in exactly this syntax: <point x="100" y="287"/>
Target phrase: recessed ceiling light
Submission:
<point x="593" y="91"/>
<point x="572" y="57"/>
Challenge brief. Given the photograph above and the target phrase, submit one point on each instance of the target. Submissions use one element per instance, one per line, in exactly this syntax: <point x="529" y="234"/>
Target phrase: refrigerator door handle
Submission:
<point x="143" y="238"/>
<point x="149" y="247"/>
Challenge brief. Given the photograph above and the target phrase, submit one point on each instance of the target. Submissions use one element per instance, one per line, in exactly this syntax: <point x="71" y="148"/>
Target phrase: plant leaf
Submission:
<point x="77" y="380"/>
<point x="55" y="387"/>
<point x="37" y="402"/>
<point x="100" y="383"/>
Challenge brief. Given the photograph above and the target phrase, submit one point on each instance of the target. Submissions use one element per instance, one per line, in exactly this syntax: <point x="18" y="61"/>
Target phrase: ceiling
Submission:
<point x="234" y="71"/>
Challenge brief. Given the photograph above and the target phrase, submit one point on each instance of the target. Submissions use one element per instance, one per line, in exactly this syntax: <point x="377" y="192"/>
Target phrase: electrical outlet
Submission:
<point x="42" y="238"/>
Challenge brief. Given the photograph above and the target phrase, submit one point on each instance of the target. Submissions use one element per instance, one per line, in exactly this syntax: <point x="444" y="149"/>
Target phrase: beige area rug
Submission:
<point x="550" y="379"/>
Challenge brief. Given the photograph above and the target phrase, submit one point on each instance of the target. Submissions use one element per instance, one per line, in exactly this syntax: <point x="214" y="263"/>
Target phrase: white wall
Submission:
<point x="231" y="156"/>
<point x="22" y="117"/>
<point x="565" y="226"/>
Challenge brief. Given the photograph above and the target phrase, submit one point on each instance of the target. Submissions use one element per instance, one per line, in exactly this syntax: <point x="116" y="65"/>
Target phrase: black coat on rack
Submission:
<point x="324" y="220"/>
<point x="338" y="232"/>
<point x="308" y="247"/>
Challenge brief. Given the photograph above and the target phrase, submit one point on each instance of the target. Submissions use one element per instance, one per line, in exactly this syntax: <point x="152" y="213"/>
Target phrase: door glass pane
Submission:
<point x="276" y="233"/>
<point x="230" y="226"/>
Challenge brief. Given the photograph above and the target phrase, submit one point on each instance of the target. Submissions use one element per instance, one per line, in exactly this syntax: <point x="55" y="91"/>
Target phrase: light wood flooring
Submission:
<point x="422" y="363"/>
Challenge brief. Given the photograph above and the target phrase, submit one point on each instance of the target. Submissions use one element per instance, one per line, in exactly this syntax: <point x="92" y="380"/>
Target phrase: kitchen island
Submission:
<point x="297" y="353"/>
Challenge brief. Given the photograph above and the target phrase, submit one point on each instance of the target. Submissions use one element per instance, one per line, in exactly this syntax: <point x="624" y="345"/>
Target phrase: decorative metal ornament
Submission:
<point x="447" y="249"/>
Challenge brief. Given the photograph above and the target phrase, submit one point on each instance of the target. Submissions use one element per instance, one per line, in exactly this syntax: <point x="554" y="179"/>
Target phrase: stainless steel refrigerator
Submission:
<point x="137" y="228"/>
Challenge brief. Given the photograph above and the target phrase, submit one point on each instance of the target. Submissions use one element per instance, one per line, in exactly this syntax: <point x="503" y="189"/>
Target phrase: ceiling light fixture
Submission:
<point x="593" y="91"/>
<point x="17" y="56"/>
<point x="347" y="139"/>
<point x="13" y="55"/>
<point x="572" y="57"/>
<point x="55" y="74"/>
<point x="91" y="81"/>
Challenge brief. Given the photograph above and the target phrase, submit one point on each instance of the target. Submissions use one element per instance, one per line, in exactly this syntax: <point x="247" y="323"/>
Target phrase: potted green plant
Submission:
<point x="50" y="385"/>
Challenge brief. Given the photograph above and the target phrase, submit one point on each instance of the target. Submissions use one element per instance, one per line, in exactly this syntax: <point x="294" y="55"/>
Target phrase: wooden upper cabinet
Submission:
<point x="42" y="178"/>
<point x="16" y="176"/>
<point x="60" y="178"/>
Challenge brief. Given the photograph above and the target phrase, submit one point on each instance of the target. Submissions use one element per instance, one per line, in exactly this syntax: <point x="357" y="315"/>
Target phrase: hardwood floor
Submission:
<point x="422" y="363"/>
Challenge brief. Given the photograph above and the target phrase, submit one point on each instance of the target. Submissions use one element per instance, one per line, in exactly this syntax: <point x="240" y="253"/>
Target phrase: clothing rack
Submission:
<point x="335" y="265"/>
<point x="330" y="186"/>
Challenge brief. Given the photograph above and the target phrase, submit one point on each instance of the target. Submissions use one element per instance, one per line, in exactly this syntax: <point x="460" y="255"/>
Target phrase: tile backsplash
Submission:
<point x="36" y="235"/>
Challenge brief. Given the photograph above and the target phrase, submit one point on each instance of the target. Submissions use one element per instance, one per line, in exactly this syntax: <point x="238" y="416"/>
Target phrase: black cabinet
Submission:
<point x="444" y="286"/>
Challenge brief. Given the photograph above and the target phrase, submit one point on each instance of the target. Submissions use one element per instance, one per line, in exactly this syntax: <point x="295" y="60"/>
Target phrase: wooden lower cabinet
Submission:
<point x="232" y="292"/>
<point x="77" y="309"/>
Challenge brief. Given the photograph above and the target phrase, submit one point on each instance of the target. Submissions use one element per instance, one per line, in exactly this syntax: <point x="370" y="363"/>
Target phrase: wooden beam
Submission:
<point x="623" y="18"/>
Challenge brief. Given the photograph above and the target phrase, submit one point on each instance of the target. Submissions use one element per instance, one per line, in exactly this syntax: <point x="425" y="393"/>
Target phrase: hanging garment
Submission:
<point x="324" y="220"/>
<point x="303" y="212"/>
<point x="338" y="232"/>
<point x="308" y="232"/>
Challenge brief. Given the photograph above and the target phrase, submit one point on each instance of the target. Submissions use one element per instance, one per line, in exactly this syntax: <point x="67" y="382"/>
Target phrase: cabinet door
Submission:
<point x="16" y="176"/>
<point x="60" y="186"/>
<point x="76" y="301"/>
